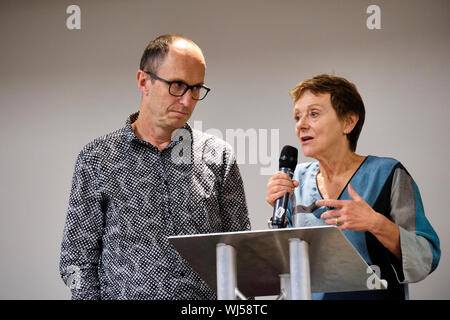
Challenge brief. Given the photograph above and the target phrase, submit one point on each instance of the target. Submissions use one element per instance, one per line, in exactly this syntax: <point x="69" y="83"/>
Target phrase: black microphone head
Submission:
<point x="288" y="157"/>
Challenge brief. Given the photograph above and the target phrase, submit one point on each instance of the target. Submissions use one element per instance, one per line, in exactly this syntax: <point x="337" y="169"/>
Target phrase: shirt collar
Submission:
<point x="131" y="136"/>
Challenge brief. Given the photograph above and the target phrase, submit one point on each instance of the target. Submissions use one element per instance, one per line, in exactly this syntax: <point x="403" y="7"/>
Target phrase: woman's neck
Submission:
<point x="339" y="165"/>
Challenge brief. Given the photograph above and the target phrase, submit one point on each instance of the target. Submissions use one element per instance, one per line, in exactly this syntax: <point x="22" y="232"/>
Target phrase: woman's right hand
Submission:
<point x="279" y="184"/>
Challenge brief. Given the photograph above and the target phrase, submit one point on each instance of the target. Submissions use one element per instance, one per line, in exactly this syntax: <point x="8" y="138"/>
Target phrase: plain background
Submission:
<point x="60" y="89"/>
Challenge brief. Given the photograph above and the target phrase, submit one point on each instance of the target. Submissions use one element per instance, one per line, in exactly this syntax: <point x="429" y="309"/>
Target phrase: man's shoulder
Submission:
<point x="203" y="138"/>
<point x="212" y="149"/>
<point x="104" y="144"/>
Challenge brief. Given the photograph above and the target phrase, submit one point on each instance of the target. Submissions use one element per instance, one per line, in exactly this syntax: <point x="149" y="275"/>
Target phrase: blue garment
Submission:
<point x="389" y="189"/>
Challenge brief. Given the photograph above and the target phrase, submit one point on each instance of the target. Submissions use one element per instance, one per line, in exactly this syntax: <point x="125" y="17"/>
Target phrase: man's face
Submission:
<point x="185" y="63"/>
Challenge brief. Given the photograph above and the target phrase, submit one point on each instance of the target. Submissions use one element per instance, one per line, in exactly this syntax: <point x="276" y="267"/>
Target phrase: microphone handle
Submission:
<point x="280" y="206"/>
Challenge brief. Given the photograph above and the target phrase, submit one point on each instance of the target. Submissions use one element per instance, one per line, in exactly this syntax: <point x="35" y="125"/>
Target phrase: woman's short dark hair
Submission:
<point x="344" y="97"/>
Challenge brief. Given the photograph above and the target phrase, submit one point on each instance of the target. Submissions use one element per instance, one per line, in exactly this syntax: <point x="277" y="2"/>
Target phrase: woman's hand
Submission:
<point x="353" y="214"/>
<point x="357" y="215"/>
<point x="279" y="184"/>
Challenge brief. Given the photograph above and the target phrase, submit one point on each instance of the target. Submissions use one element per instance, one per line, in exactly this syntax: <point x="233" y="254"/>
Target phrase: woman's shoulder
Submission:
<point x="306" y="166"/>
<point x="381" y="162"/>
<point x="376" y="164"/>
<point x="306" y="170"/>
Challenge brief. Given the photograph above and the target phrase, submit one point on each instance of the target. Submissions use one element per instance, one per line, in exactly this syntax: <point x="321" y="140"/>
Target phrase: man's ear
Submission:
<point x="141" y="78"/>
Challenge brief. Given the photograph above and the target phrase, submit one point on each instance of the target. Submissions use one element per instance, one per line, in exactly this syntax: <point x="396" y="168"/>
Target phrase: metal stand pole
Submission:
<point x="298" y="220"/>
<point x="285" y="287"/>
<point x="226" y="272"/>
<point x="300" y="274"/>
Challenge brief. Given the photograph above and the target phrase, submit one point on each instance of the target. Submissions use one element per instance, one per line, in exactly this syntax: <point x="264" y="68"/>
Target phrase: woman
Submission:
<point x="373" y="200"/>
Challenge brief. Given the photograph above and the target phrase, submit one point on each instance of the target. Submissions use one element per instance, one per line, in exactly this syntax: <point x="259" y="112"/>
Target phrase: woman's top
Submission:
<point x="390" y="190"/>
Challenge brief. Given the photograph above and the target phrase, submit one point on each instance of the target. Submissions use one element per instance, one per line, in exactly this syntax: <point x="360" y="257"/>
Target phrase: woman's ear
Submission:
<point x="350" y="122"/>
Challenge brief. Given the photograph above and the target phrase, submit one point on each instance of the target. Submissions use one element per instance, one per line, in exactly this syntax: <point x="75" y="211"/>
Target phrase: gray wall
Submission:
<point x="61" y="88"/>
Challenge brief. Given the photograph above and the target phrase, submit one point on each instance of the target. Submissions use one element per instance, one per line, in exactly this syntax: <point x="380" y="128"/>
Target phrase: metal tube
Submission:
<point x="239" y="294"/>
<point x="300" y="273"/>
<point x="297" y="220"/>
<point x="226" y="272"/>
<point x="285" y="286"/>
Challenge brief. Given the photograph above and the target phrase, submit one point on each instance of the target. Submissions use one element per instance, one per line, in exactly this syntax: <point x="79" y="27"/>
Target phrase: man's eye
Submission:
<point x="314" y="114"/>
<point x="179" y="85"/>
<point x="296" y="118"/>
<point x="196" y="88"/>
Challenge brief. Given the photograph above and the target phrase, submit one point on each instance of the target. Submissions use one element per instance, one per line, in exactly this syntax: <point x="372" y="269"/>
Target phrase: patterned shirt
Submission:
<point x="127" y="197"/>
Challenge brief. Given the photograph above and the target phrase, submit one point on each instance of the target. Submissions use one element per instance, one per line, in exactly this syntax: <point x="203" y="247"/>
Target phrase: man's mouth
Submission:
<point x="181" y="113"/>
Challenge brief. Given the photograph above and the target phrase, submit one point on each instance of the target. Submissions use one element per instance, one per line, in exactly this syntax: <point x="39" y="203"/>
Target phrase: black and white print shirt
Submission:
<point x="127" y="197"/>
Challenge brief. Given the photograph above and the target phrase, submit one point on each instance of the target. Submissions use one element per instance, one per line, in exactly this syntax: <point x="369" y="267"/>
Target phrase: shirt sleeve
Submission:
<point x="233" y="205"/>
<point x="419" y="242"/>
<point x="81" y="243"/>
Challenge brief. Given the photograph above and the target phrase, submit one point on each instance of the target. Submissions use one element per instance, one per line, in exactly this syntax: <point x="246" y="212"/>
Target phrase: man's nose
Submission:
<point x="186" y="98"/>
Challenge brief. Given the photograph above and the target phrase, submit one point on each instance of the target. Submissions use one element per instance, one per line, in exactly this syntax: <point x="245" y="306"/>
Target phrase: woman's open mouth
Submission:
<point x="305" y="139"/>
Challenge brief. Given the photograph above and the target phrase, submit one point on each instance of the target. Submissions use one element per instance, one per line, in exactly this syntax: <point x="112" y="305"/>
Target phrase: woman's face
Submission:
<point x="320" y="131"/>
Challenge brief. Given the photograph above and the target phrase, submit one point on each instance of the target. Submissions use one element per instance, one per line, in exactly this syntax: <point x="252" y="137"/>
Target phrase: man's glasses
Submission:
<point x="179" y="88"/>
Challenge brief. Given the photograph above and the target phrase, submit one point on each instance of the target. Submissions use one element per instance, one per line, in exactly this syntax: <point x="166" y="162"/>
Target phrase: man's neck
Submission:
<point x="154" y="135"/>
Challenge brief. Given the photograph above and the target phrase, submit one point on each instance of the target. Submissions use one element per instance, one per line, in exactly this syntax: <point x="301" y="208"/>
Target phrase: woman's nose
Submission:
<point x="302" y="123"/>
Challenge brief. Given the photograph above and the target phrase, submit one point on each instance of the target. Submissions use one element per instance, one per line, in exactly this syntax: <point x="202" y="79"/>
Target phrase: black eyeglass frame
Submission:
<point x="154" y="76"/>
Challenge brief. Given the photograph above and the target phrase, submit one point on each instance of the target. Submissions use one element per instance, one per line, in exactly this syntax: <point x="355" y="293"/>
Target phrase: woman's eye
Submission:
<point x="314" y="114"/>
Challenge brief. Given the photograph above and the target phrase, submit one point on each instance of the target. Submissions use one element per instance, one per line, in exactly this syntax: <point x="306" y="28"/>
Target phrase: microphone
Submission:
<point x="287" y="164"/>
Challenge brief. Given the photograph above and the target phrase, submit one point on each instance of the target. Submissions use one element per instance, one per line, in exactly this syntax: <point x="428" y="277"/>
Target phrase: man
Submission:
<point x="154" y="178"/>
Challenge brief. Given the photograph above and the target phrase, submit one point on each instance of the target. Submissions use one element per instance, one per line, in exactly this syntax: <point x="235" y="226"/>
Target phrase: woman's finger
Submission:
<point x="271" y="198"/>
<point x="330" y="214"/>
